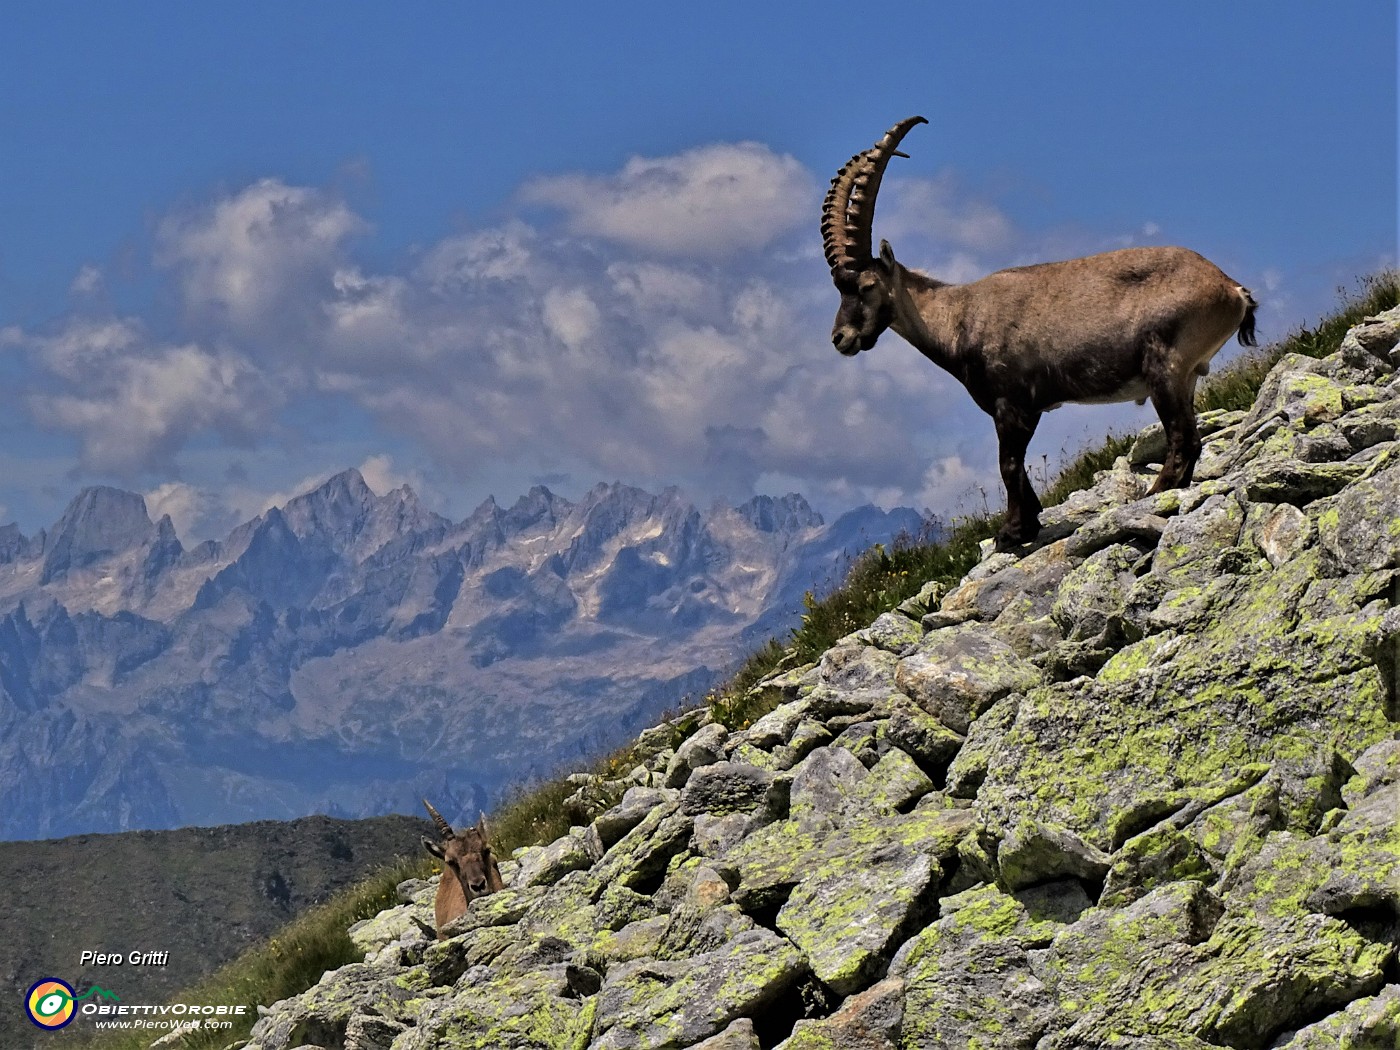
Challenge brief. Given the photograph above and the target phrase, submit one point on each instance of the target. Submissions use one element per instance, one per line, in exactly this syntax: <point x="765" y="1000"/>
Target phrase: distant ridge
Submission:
<point x="151" y="890"/>
<point x="350" y="652"/>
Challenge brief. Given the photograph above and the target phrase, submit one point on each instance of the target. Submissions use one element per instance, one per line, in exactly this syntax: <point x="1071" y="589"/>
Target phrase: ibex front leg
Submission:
<point x="1015" y="427"/>
<point x="1174" y="398"/>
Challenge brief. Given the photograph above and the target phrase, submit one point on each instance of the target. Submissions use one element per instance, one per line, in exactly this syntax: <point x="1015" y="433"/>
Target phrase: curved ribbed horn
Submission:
<point x="444" y="828"/>
<point x="849" y="209"/>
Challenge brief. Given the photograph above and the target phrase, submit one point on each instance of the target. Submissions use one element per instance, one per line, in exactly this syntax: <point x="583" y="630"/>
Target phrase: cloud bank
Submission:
<point x="664" y="323"/>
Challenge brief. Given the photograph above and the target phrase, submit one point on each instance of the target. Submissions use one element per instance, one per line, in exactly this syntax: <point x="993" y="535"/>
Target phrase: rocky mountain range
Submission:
<point x="349" y="652"/>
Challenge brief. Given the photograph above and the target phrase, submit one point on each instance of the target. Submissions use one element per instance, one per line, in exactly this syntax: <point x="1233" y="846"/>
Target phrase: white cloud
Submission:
<point x="571" y="316"/>
<point x="654" y="288"/>
<point x="189" y="507"/>
<point x="87" y="281"/>
<point x="563" y="348"/>
<point x="247" y="255"/>
<point x="936" y="208"/>
<point x="132" y="405"/>
<point x="498" y="255"/>
<point x="84" y="348"/>
<point x="955" y="486"/>
<point x="383" y="476"/>
<point x="367" y="323"/>
<point x="710" y="201"/>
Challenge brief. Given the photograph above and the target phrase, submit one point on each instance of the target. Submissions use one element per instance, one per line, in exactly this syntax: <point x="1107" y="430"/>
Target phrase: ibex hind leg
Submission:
<point x="1174" y="398"/>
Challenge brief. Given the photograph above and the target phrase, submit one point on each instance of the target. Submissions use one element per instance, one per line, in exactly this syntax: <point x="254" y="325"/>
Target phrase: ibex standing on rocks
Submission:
<point x="1121" y="326"/>
<point x="468" y="867"/>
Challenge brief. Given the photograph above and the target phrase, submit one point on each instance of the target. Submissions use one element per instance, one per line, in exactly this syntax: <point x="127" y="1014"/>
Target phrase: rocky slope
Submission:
<point x="1135" y="788"/>
<point x="348" y="653"/>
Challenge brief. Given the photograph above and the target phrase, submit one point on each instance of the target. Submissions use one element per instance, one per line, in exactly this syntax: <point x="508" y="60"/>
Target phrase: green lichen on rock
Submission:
<point x="1171" y="962"/>
<point x="534" y="1011"/>
<point x="1173" y="715"/>
<point x="968" y="979"/>
<point x="669" y="1005"/>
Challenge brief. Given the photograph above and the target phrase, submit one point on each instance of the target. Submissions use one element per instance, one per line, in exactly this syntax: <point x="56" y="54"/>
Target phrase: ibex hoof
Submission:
<point x="1007" y="542"/>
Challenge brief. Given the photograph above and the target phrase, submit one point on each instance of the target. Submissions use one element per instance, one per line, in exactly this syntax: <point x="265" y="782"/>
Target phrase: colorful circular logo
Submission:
<point x="50" y="1003"/>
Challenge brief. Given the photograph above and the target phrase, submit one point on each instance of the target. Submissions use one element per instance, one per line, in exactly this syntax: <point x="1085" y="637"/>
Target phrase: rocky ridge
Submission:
<point x="1135" y="788"/>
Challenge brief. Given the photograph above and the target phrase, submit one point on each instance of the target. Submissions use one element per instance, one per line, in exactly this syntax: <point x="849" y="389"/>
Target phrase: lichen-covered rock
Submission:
<point x="1033" y="578"/>
<point x="775" y="727"/>
<point x="393" y="924"/>
<point x="543" y="1010"/>
<point x="968" y="978"/>
<point x="826" y="788"/>
<point x="548" y="865"/>
<point x="702" y="748"/>
<point x="738" y="1036"/>
<point x="641" y="856"/>
<point x="1158" y="857"/>
<point x="1372" y="1023"/>
<point x="775" y="859"/>
<point x="921" y="736"/>
<point x="852" y="678"/>
<point x="848" y="918"/>
<point x="636" y="803"/>
<point x="863" y="739"/>
<point x="636" y="940"/>
<point x="1279" y="531"/>
<point x="669" y="1005"/>
<point x="322" y="1014"/>
<point x="959" y="672"/>
<point x="1170" y="719"/>
<point x="924" y="602"/>
<point x="892" y="631"/>
<point x="1373" y="769"/>
<point x="1033" y="852"/>
<point x="1175" y="962"/>
<point x="1193" y="540"/>
<point x="1359" y="528"/>
<point x="895" y="783"/>
<point x="1137" y="524"/>
<point x="1096" y="591"/>
<point x="1363" y="880"/>
<point x="726" y="787"/>
<point x="871" y="1020"/>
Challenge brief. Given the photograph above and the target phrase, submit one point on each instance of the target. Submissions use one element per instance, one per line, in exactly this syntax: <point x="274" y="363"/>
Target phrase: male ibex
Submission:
<point x="468" y="867"/>
<point x="1121" y="326"/>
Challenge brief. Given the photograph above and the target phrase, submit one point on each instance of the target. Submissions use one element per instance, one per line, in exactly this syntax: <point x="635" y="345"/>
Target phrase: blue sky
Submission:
<point x="477" y="247"/>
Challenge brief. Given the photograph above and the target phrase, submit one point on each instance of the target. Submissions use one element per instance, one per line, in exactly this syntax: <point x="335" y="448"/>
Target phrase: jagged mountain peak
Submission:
<point x="100" y="521"/>
<point x="771" y="514"/>
<point x="333" y="508"/>
<point x="538" y="507"/>
<point x="344" y="514"/>
<point x="12" y="543"/>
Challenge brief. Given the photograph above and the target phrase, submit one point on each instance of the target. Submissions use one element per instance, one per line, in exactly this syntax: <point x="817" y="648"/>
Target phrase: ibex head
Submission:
<point x="466" y="859"/>
<point x="865" y="282"/>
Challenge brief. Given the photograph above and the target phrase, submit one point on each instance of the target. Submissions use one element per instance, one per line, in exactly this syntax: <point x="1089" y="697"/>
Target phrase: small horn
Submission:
<point x="444" y="828"/>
